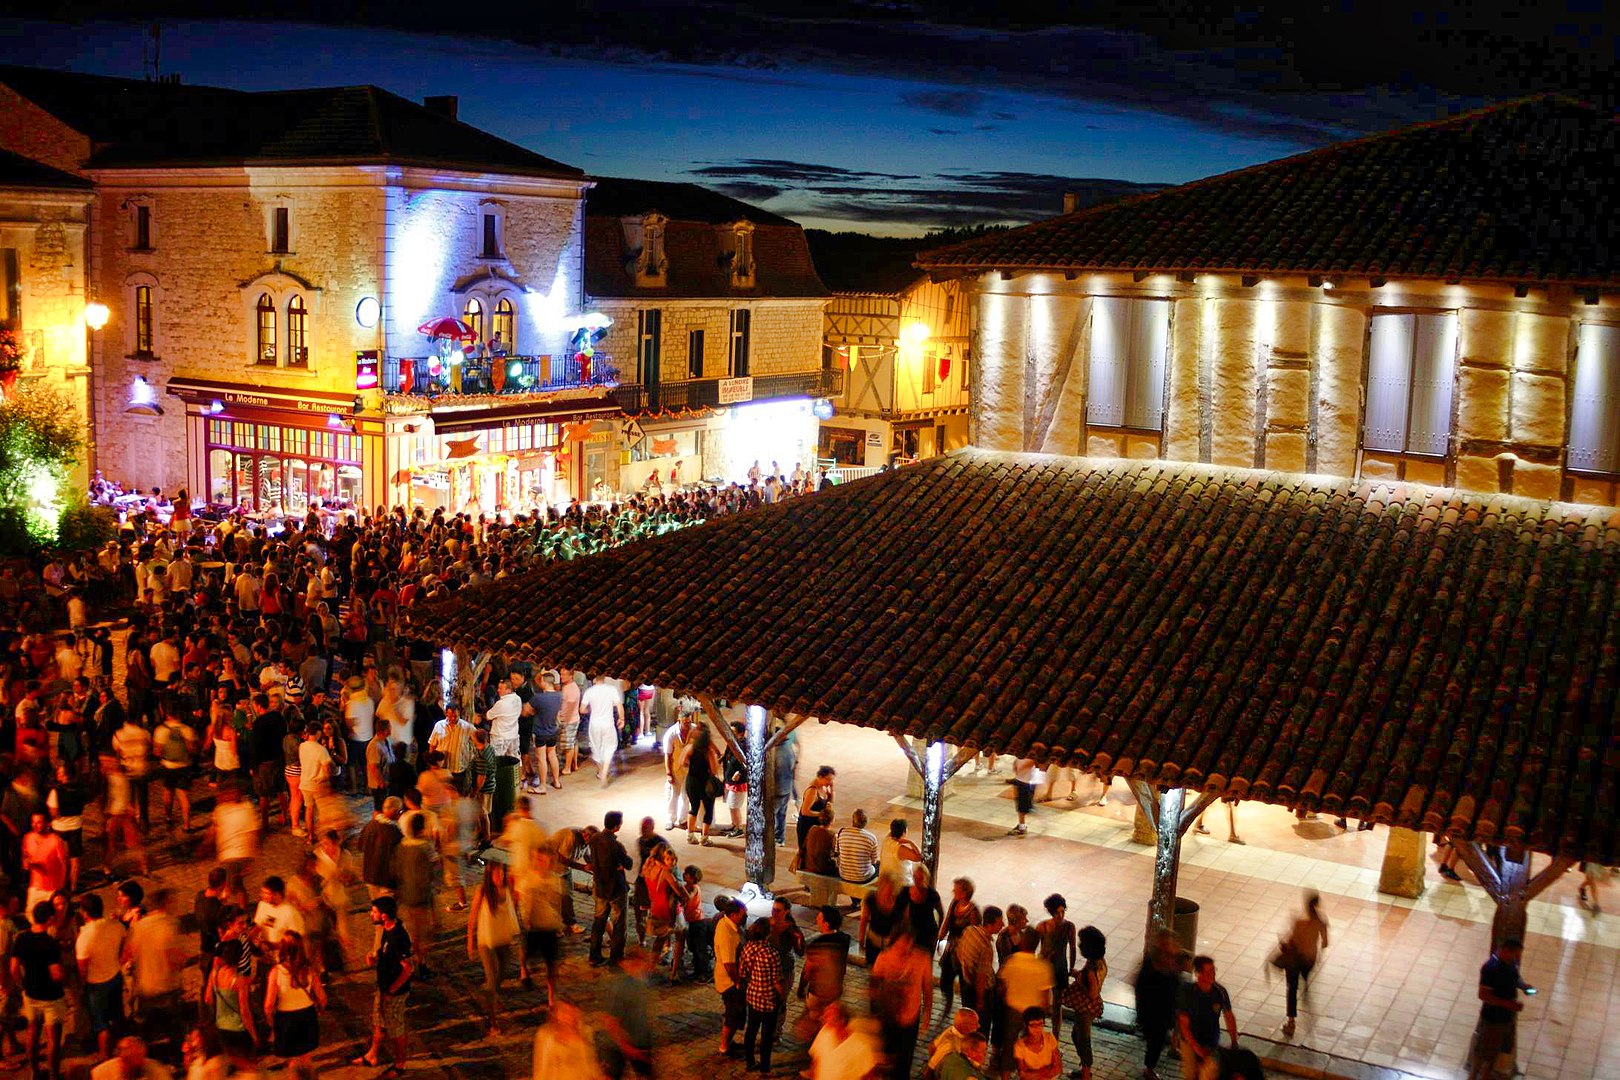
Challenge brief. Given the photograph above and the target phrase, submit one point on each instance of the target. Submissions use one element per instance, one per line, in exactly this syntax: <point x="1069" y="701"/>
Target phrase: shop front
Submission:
<point x="667" y="455"/>
<point x="273" y="452"/>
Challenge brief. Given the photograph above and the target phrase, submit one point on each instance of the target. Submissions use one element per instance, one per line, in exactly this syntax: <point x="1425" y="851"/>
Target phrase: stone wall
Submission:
<point x="784" y="335"/>
<point x="1272" y="374"/>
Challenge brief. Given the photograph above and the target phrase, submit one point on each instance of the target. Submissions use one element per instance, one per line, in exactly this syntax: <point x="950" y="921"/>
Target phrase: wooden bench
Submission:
<point x="825" y="889"/>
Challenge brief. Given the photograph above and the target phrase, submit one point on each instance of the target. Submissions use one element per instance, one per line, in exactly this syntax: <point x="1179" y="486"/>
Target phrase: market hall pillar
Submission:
<point x="934" y="769"/>
<point x="1402" y="871"/>
<point x="1173" y="817"/>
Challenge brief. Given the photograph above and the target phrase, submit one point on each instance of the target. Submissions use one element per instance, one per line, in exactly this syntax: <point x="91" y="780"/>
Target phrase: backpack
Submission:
<point x="175" y="748"/>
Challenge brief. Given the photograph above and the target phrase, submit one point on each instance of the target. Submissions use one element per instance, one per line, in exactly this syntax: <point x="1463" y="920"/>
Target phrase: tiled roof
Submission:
<point x="1442" y="661"/>
<point x="1523" y="192"/>
<point x="17" y="171"/>
<point x="697" y="266"/>
<point x="135" y="124"/>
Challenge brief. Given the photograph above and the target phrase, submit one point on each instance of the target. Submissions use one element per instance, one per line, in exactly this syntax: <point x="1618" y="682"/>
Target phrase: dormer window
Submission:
<point x="742" y="255"/>
<point x="644" y="238"/>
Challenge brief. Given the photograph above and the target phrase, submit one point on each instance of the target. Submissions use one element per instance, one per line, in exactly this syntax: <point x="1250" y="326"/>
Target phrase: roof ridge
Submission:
<point x="927" y="258"/>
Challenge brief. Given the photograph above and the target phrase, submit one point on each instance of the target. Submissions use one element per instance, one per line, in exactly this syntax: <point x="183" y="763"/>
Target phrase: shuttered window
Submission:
<point x="1594" y="427"/>
<point x="1411" y="372"/>
<point x="1129" y="343"/>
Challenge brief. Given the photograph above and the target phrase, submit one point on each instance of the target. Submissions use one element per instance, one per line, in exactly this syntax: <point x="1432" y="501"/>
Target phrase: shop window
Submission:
<point x="473" y="316"/>
<point x="143" y="227"/>
<point x="505" y="327"/>
<point x="1411" y="368"/>
<point x="266" y="321"/>
<point x="143" y="321"/>
<point x="694" y="354"/>
<point x="297" y="333"/>
<point x="1129" y="343"/>
<point x="741" y="320"/>
<point x="1594" y="425"/>
<point x="280" y="230"/>
<point x="650" y="353"/>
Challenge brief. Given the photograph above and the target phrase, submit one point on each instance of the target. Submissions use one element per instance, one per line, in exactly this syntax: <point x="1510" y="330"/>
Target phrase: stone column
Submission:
<point x="1142" y="831"/>
<point x="1403" y="867"/>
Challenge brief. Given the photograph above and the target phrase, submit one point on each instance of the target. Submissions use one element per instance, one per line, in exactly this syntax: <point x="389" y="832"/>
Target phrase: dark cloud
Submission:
<point x="789" y="172"/>
<point x="962" y="103"/>
<point x="749" y="191"/>
<point x="943" y="131"/>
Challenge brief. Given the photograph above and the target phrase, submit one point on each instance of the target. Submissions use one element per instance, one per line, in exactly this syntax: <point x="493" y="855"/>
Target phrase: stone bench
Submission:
<point x="825" y="889"/>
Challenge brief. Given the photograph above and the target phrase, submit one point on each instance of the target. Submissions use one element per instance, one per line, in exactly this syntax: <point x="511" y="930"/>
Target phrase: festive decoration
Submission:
<point x="447" y="327"/>
<point x="944" y="367"/>
<point x="461" y="448"/>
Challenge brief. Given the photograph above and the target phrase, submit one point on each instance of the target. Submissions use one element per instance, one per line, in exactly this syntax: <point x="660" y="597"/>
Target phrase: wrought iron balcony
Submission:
<point x="498" y="375"/>
<point x="707" y="393"/>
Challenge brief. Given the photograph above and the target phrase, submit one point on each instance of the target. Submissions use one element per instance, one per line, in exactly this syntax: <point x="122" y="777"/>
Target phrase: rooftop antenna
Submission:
<point x="154" y="54"/>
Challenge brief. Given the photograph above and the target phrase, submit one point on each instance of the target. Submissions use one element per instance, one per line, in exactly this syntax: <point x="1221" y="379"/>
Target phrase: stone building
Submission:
<point x="1436" y="305"/>
<point x="44" y="287"/>
<point x="717" y="331"/>
<point x="268" y="258"/>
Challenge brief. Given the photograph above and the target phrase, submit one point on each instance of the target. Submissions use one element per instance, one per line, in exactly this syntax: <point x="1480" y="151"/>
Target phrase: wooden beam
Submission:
<point x="1546" y="876"/>
<point x="964" y="754"/>
<point x="718" y="723"/>
<point x="911" y="756"/>
<point x="1200" y="804"/>
<point x="792" y="725"/>
<point x="1147" y="798"/>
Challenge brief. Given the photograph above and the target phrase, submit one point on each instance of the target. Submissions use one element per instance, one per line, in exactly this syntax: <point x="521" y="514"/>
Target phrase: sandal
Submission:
<point x="364" y="1061"/>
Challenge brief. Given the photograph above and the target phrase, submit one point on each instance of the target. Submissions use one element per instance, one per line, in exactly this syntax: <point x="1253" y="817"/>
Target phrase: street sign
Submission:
<point x="632" y="433"/>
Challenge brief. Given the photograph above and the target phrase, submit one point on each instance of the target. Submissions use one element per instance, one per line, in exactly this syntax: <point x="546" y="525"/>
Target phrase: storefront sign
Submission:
<point x="873" y="439"/>
<point x="365" y="370"/>
<point x="736" y="391"/>
<point x="632" y="433"/>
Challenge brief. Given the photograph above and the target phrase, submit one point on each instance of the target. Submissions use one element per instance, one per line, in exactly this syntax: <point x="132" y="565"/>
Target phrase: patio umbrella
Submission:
<point x="447" y="327"/>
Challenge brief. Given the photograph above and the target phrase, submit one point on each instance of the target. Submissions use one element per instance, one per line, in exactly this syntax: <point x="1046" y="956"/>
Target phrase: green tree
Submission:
<point x="40" y="438"/>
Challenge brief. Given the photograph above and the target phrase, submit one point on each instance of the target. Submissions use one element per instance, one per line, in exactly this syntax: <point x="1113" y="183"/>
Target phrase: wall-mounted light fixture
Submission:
<point x="367" y="312"/>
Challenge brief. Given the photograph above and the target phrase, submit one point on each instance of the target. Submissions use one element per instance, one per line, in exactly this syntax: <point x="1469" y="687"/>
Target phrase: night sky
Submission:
<point x="890" y="118"/>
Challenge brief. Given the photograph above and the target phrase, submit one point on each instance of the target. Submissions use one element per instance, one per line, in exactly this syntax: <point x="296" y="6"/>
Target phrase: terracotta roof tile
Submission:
<point x="1441" y="661"/>
<point x="1519" y="192"/>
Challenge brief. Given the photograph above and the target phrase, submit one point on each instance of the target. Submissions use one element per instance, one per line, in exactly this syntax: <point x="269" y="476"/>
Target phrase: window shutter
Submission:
<point x="1105" y="385"/>
<point x="1149" y="343"/>
<point x="1594" y="428"/>
<point x="1434" y="374"/>
<point x="1389" y="376"/>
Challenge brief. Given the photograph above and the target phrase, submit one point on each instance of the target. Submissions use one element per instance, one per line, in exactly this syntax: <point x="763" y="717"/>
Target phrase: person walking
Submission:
<point x="227" y="1003"/>
<point x="903" y="995"/>
<point x="826" y="959"/>
<point x="603" y="706"/>
<point x="97" y="950"/>
<point x="760" y="972"/>
<point x="1496" y="1034"/>
<point x="1026" y="778"/>
<point x="961" y="914"/>
<point x="395" y="967"/>
<point x="1298" y="951"/>
<point x="414" y="876"/>
<point x="1084" y="995"/>
<point x="293" y="998"/>
<point x="492" y="935"/>
<point x="1203" y="1006"/>
<point x="609" y="861"/>
<point x="36" y="969"/>
<point x="1157" y="983"/>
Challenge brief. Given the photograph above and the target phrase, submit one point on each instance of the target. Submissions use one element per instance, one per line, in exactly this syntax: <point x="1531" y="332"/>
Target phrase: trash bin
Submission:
<point x="1184" y="922"/>
<point x="505" y="797"/>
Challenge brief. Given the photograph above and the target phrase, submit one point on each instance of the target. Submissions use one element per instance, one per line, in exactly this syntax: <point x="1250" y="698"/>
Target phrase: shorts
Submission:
<point x="525" y="744"/>
<point x="266" y="779"/>
<point x="51" y="1012"/>
<point x="105" y="1003"/>
<point x="568" y="735"/>
<point x="541" y="742"/>
<point x="736" y="1008"/>
<point x="736" y="796"/>
<point x="388" y="1014"/>
<point x="177" y="779"/>
<point x="541" y="945"/>
<point x="505" y="747"/>
<point x="1024" y="796"/>
<point x="74" y="838"/>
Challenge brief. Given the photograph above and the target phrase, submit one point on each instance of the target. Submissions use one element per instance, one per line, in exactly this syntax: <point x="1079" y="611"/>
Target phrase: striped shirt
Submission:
<point x="857" y="852"/>
<point x="454" y="739"/>
<point x="483" y="769"/>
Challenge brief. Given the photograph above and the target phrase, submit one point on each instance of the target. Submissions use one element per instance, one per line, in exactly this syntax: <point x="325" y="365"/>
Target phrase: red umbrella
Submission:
<point x="447" y="327"/>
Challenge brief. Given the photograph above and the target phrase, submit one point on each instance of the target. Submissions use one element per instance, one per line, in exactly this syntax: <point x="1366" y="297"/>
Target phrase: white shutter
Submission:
<point x="1389" y="375"/>
<point x="1105" y="385"/>
<point x="1149" y="343"/>
<point x="1594" y="428"/>
<point x="1434" y="374"/>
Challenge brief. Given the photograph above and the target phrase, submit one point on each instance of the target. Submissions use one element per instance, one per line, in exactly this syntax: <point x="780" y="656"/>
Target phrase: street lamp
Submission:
<point x="96" y="314"/>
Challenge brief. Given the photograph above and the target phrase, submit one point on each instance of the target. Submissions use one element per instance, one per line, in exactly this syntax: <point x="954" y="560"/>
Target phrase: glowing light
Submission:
<point x="823" y="408"/>
<point x="457" y="357"/>
<point x="785" y="432"/>
<point x="44" y="501"/>
<point x="367" y="312"/>
<point x="1327" y="285"/>
<point x="216" y="406"/>
<point x="143" y="398"/>
<point x="96" y="315"/>
<point x="515" y="369"/>
<point x="915" y="333"/>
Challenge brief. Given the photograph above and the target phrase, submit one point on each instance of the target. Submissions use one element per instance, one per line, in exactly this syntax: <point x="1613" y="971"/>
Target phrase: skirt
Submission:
<point x="298" y="1032"/>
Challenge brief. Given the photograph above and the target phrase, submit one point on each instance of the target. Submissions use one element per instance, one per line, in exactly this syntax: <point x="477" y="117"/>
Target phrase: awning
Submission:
<point x="1441" y="661"/>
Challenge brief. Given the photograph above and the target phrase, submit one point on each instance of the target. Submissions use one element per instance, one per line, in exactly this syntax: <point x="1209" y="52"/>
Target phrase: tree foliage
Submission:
<point x="40" y="438"/>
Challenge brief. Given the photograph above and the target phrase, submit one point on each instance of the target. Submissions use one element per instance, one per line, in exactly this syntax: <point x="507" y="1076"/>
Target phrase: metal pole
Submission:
<point x="933" y="778"/>
<point x="759" y="855"/>
<point x="1166" y="863"/>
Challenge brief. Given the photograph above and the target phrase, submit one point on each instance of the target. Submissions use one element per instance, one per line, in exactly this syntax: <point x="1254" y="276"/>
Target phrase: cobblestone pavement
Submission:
<point x="445" y="1013"/>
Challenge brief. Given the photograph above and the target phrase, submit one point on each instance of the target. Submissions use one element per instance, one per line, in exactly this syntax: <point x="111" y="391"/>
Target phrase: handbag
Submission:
<point x="1081" y="997"/>
<point x="713" y="788"/>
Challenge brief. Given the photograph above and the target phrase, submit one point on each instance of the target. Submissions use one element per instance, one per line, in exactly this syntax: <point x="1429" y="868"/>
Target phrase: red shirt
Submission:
<point x="47" y="859"/>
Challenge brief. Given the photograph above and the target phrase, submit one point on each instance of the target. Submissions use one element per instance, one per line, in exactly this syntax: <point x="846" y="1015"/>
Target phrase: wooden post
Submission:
<point x="935" y="769"/>
<point x="759" y="854"/>
<point x="1173" y="817"/>
<point x="1505" y="875"/>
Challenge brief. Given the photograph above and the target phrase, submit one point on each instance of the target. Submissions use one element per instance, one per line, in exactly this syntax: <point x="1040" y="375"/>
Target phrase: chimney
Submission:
<point x="444" y="104"/>
<point x="1071" y="202"/>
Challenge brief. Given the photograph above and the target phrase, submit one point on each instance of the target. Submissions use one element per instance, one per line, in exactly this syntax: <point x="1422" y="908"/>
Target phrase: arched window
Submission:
<point x="506" y="324"/>
<point x="266" y="314"/>
<point x="297" y="333"/>
<point x="473" y="316"/>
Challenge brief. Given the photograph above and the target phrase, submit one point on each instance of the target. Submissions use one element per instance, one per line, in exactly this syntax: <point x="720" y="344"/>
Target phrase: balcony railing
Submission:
<point x="499" y="375"/>
<point x="705" y="393"/>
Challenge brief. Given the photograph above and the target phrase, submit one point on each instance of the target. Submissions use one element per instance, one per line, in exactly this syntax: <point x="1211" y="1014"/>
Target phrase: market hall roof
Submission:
<point x="693" y="244"/>
<point x="1524" y="192"/>
<point x="1443" y="661"/>
<point x="132" y="123"/>
<point x="20" y="173"/>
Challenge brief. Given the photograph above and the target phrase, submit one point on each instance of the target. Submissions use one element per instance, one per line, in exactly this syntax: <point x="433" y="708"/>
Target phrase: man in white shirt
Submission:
<point x="839" y="1052"/>
<point x="503" y="717"/>
<point x="1026" y="778"/>
<point x="360" y="712"/>
<point x="603" y="705"/>
<point x="675" y="740"/>
<point x="315" y="770"/>
<point x="246" y="587"/>
<point x="98" y="949"/>
<point x="275" y="914"/>
<point x="728" y="924"/>
<point x="165" y="659"/>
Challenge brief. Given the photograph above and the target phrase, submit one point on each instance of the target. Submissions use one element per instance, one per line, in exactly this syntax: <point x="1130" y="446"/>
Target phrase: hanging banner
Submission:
<point x="736" y="391"/>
